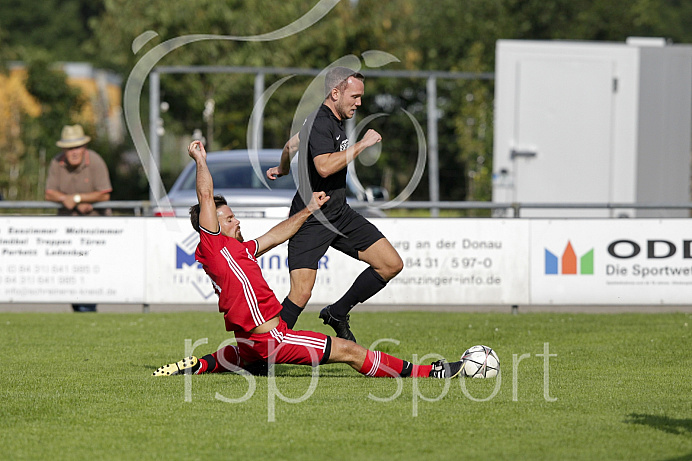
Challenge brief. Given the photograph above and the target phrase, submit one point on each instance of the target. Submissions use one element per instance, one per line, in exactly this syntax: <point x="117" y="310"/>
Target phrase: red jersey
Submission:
<point x="245" y="299"/>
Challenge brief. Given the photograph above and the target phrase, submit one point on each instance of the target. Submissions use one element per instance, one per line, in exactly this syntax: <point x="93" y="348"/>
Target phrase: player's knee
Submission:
<point x="393" y="267"/>
<point x="344" y="351"/>
<point x="299" y="297"/>
<point x="398" y="266"/>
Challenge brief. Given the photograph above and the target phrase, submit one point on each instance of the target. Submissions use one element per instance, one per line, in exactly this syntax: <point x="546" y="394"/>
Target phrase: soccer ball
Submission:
<point x="480" y="362"/>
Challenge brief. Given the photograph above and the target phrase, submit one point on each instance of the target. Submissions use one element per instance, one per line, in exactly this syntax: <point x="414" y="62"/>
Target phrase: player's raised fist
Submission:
<point x="371" y="137"/>
<point x="196" y="149"/>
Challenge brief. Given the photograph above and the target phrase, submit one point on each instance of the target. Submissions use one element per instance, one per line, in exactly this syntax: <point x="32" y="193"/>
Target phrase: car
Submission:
<point x="234" y="178"/>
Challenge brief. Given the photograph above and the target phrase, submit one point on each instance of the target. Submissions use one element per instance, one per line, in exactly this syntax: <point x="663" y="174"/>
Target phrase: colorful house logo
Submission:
<point x="567" y="264"/>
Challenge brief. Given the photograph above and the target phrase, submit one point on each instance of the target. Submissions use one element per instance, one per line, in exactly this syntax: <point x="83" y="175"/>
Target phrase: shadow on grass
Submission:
<point x="284" y="371"/>
<point x="686" y="457"/>
<point x="663" y="423"/>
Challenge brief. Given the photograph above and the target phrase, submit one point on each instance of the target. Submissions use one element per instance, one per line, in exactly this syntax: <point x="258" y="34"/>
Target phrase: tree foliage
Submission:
<point x="59" y="27"/>
<point x="454" y="35"/>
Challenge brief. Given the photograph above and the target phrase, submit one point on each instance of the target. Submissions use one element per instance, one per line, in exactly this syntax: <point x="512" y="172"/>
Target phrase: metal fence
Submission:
<point x="256" y="124"/>
<point x="146" y="208"/>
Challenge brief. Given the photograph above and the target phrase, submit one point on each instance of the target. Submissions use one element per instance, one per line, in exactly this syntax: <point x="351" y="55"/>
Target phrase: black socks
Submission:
<point x="211" y="363"/>
<point x="366" y="285"/>
<point x="290" y="312"/>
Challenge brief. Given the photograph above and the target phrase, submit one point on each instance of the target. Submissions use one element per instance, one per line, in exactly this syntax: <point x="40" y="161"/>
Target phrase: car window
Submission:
<point x="238" y="176"/>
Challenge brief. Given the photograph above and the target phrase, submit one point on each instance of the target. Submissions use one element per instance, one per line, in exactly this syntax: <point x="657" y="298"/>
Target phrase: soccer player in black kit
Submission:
<point x="324" y="140"/>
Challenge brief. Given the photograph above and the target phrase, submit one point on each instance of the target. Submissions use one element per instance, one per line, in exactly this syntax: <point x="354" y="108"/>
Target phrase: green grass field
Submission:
<point x="619" y="386"/>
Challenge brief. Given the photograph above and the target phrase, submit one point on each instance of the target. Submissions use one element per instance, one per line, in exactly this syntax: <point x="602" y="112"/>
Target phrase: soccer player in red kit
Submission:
<point x="250" y="307"/>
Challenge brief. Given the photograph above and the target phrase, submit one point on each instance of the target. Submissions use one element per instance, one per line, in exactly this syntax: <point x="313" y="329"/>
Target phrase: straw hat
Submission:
<point x="72" y="136"/>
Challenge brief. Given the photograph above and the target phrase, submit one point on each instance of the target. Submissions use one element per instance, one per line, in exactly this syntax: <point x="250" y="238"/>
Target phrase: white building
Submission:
<point x="593" y="122"/>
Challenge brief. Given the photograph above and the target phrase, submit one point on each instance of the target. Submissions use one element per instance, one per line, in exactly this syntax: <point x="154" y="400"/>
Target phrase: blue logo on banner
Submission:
<point x="183" y="257"/>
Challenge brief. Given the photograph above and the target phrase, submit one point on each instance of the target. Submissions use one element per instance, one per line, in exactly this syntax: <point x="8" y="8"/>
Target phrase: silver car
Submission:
<point x="235" y="179"/>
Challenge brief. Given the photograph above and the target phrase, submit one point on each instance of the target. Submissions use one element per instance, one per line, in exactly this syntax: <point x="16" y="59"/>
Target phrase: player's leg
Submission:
<point x="305" y="249"/>
<point x="302" y="282"/>
<point x="284" y="345"/>
<point x="383" y="258"/>
<point x="385" y="263"/>
<point x="380" y="364"/>
<point x="224" y="360"/>
<point x="364" y="242"/>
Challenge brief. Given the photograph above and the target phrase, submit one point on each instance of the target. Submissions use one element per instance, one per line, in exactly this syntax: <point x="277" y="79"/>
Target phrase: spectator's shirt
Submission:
<point x="245" y="298"/>
<point x="90" y="176"/>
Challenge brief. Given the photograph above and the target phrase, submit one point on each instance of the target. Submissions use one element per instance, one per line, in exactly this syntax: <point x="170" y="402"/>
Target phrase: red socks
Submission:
<point x="421" y="371"/>
<point x="378" y="364"/>
<point x="219" y="361"/>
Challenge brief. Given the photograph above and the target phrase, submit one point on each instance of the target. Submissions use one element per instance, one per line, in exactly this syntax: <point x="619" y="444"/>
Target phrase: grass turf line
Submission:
<point x="78" y="386"/>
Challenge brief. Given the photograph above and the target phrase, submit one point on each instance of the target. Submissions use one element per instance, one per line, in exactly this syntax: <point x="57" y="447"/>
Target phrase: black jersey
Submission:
<point x="322" y="133"/>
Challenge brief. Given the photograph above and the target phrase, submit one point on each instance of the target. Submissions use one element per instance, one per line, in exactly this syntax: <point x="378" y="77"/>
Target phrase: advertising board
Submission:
<point x="609" y="261"/>
<point x="72" y="260"/>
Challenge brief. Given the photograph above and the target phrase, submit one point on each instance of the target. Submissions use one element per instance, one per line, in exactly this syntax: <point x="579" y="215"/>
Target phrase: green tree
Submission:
<point x="123" y="21"/>
<point x="458" y="35"/>
<point x="59" y="27"/>
<point x="60" y="105"/>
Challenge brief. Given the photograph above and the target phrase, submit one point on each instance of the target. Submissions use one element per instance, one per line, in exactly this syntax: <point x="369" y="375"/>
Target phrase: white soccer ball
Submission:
<point x="480" y="362"/>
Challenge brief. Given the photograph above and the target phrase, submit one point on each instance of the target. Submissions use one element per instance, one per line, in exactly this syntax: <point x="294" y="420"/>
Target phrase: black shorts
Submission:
<point x="310" y="243"/>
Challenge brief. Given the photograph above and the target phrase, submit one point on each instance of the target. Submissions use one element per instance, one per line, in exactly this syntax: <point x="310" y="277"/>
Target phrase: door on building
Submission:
<point x="562" y="130"/>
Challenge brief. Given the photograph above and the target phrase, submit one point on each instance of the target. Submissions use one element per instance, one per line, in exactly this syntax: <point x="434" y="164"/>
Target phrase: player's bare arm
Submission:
<point x="285" y="229"/>
<point x="205" y="188"/>
<point x="289" y="151"/>
<point x="328" y="164"/>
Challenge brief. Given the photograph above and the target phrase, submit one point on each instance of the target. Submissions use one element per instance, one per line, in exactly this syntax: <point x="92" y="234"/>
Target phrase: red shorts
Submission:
<point x="283" y="345"/>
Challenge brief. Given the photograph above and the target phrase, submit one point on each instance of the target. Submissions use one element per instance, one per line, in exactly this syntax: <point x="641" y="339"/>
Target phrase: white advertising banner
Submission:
<point x="173" y="275"/>
<point x="457" y="261"/>
<point x="446" y="261"/>
<point x="611" y="261"/>
<point x="71" y="260"/>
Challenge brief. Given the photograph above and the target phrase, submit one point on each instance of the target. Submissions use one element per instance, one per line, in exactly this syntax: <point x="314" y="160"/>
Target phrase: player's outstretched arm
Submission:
<point x="328" y="164"/>
<point x="288" y="227"/>
<point x="287" y="154"/>
<point x="205" y="188"/>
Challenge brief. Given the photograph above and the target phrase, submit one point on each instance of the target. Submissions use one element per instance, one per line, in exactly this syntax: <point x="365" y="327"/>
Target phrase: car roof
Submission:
<point x="228" y="156"/>
<point x="263" y="155"/>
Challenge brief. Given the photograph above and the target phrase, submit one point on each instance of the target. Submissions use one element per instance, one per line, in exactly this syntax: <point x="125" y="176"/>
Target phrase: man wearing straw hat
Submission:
<point x="77" y="177"/>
